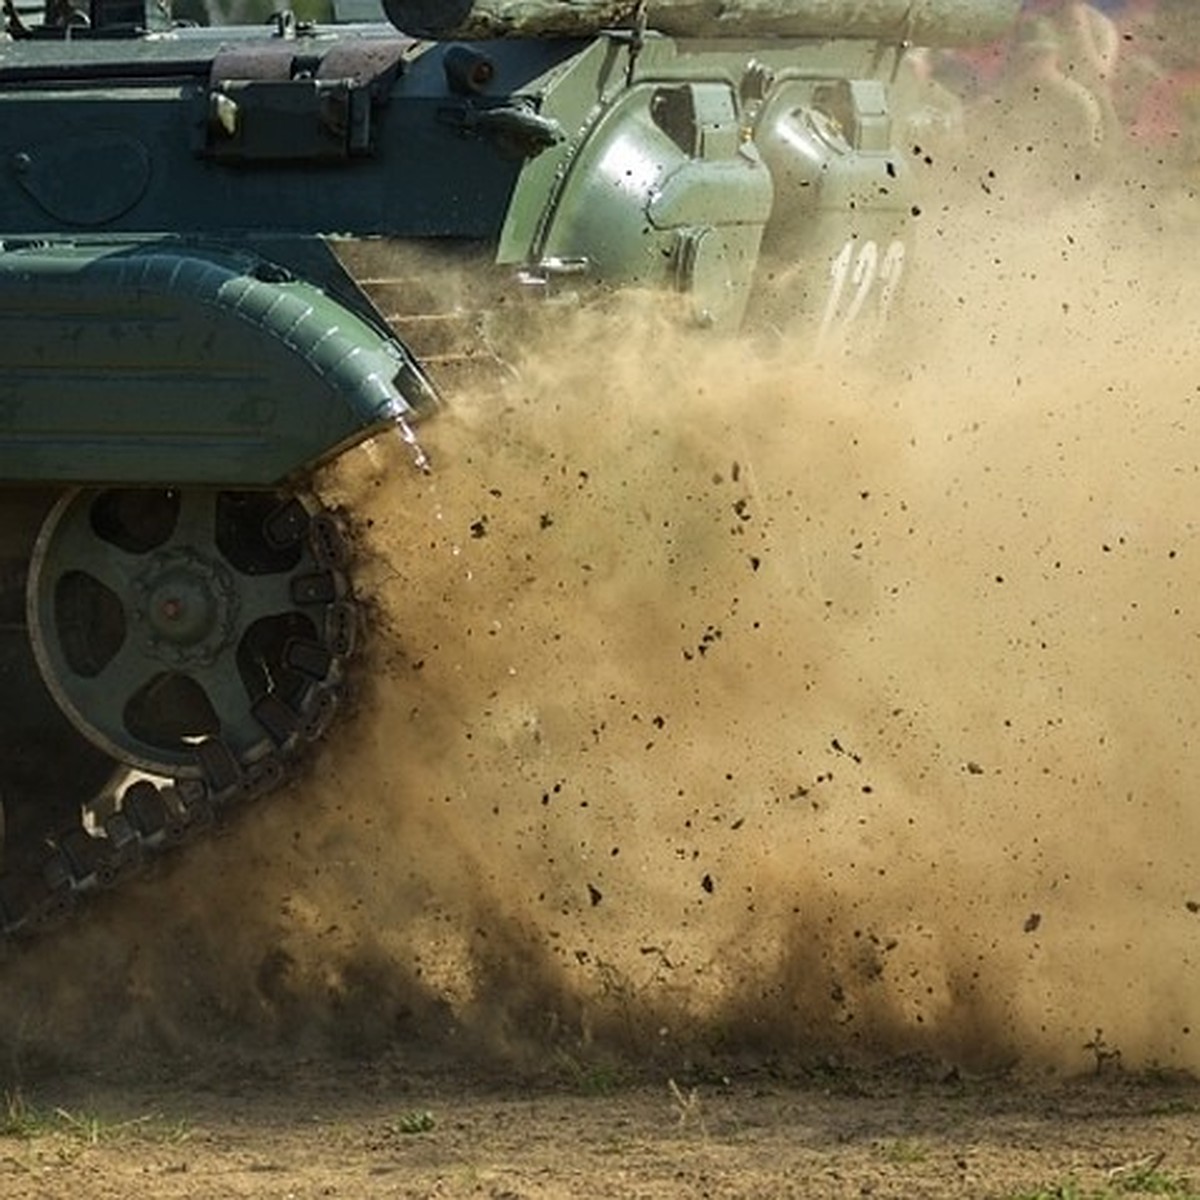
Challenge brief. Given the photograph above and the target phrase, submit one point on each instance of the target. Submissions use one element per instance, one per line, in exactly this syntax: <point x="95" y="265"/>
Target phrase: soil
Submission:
<point x="352" y="1132"/>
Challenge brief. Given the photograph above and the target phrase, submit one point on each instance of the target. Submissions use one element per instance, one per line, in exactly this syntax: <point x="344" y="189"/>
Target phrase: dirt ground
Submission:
<point x="316" y="1132"/>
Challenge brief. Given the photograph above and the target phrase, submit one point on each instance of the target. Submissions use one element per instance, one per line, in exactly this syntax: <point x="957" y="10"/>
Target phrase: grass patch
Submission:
<point x="1152" y="1182"/>
<point x="417" y="1121"/>
<point x="1125" y="1182"/>
<point x="19" y="1119"/>
<point x="591" y="1078"/>
<point x="903" y="1151"/>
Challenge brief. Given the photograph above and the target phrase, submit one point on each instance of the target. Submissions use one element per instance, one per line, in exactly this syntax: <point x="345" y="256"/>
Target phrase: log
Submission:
<point x="921" y="22"/>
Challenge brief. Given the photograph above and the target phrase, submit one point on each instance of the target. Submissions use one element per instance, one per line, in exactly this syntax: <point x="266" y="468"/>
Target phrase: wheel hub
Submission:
<point x="186" y="607"/>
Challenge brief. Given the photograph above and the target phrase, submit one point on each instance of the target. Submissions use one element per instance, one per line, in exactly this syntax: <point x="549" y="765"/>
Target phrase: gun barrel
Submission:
<point x="920" y="22"/>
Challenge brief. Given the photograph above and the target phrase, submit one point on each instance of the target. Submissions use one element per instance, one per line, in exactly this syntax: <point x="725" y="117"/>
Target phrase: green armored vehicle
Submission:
<point x="183" y="338"/>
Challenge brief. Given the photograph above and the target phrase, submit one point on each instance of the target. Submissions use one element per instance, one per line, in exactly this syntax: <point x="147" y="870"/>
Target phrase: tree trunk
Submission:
<point x="922" y="22"/>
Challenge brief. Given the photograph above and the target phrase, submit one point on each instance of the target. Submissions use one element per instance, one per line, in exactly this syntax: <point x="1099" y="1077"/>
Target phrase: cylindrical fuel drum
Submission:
<point x="921" y="22"/>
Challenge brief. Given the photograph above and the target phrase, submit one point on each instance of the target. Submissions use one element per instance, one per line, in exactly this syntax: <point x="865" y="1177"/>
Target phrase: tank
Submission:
<point x="190" y="327"/>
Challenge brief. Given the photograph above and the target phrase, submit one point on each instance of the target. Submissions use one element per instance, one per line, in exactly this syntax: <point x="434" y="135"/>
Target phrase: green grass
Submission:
<point x="1146" y="1180"/>
<point x="596" y="1078"/>
<point x="904" y="1151"/>
<point x="1150" y="1181"/>
<point x="417" y="1121"/>
<point x="19" y="1119"/>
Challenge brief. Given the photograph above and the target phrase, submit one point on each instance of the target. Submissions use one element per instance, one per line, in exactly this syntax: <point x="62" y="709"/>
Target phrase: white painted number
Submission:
<point x="860" y="281"/>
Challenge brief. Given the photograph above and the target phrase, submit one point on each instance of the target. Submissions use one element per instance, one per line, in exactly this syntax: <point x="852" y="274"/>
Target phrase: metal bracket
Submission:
<point x="518" y="129"/>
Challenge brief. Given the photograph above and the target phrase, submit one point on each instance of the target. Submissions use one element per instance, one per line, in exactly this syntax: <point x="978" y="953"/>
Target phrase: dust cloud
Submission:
<point x="722" y="700"/>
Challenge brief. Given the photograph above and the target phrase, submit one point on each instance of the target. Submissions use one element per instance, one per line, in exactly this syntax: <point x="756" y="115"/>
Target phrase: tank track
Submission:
<point x="147" y="818"/>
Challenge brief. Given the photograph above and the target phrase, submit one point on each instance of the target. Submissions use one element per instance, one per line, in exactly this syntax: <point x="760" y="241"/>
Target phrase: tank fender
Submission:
<point x="166" y="363"/>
